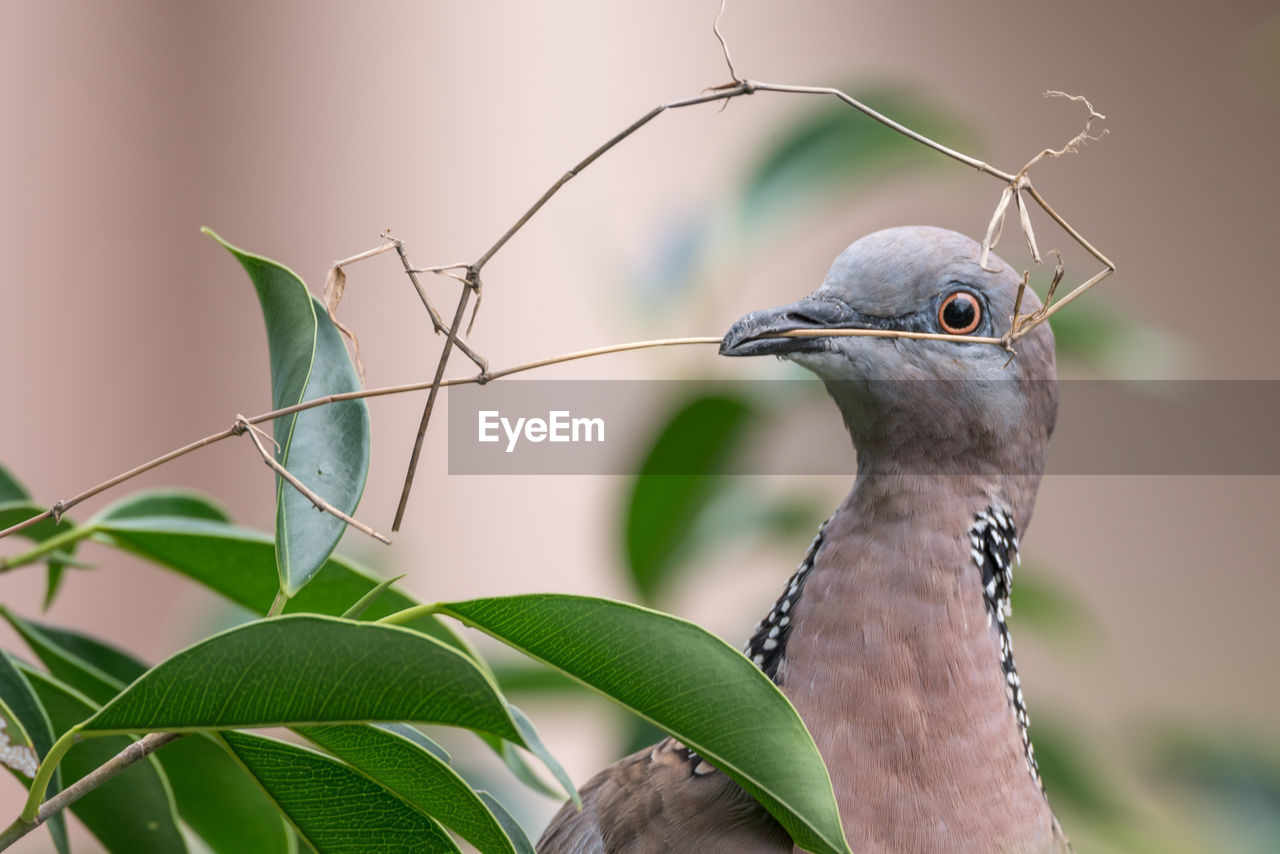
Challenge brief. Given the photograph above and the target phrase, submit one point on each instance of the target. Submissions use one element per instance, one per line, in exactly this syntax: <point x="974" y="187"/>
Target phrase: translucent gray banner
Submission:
<point x="772" y="427"/>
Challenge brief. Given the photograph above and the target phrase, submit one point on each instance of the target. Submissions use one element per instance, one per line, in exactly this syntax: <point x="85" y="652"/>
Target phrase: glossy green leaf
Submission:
<point x="13" y="512"/>
<point x="305" y="669"/>
<point x="687" y="681"/>
<point x="239" y="564"/>
<point x="164" y="502"/>
<point x="834" y="147"/>
<point x="327" y="447"/>
<point x="133" y="812"/>
<point x="334" y="807"/>
<point x="417" y="776"/>
<point x="22" y="703"/>
<point x="677" y="479"/>
<point x="212" y="794"/>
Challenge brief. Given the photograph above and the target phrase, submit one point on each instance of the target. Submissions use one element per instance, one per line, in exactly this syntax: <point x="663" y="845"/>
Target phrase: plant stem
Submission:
<point x="46" y="547"/>
<point x="35" y="815"/>
<point x="408" y="615"/>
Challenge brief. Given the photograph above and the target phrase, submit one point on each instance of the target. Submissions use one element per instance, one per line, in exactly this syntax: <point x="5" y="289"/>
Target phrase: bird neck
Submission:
<point x="897" y="630"/>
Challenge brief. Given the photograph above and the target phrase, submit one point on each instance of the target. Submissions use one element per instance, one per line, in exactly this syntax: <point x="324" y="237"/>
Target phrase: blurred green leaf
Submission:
<point x="677" y="479"/>
<point x="327" y="448"/>
<point x="1237" y="775"/>
<point x="1096" y="334"/>
<point x="1069" y="775"/>
<point x="415" y="775"/>
<point x="70" y="670"/>
<point x="336" y="809"/>
<point x="21" y="700"/>
<point x="534" y="745"/>
<point x="133" y="812"/>
<point x="307" y="669"/>
<point x="834" y="147"/>
<point x="512" y="827"/>
<point x="163" y="502"/>
<point x="20" y="510"/>
<point x="519" y="768"/>
<point x="1046" y="608"/>
<point x="11" y="489"/>
<point x="687" y="681"/>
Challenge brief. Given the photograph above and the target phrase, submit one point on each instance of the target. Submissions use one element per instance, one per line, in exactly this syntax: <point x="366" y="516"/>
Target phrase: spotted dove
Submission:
<point x="890" y="639"/>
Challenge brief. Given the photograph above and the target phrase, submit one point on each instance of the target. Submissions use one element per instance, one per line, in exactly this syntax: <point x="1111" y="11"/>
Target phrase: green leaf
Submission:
<point x="11" y="489"/>
<point x="676" y="482"/>
<point x="537" y="748"/>
<point x="22" y="704"/>
<point x="835" y="147"/>
<point x="212" y="794"/>
<point x="80" y="675"/>
<point x="108" y="660"/>
<point x="334" y="807"/>
<point x="509" y="824"/>
<point x="1069" y="777"/>
<point x="327" y="447"/>
<point x="164" y="502"/>
<point x="688" y="682"/>
<point x="223" y="806"/>
<point x="239" y="564"/>
<point x="306" y="669"/>
<point x="1043" y="606"/>
<point x="133" y="812"/>
<point x="519" y="768"/>
<point x="17" y="751"/>
<point x="22" y="707"/>
<point x="1236" y="774"/>
<point x="1095" y="333"/>
<point x="416" y="776"/>
<point x="13" y="512"/>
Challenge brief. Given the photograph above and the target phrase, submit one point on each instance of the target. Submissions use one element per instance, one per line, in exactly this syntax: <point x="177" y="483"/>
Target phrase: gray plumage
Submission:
<point x="895" y="649"/>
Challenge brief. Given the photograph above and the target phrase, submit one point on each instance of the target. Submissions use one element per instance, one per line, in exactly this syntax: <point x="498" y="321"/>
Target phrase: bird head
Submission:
<point x="912" y="405"/>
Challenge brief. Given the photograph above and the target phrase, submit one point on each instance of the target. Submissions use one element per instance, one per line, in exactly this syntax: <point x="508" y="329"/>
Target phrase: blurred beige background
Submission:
<point x="302" y="130"/>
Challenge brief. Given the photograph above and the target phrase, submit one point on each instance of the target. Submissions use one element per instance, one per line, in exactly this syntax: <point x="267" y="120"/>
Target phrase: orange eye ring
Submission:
<point x="960" y="313"/>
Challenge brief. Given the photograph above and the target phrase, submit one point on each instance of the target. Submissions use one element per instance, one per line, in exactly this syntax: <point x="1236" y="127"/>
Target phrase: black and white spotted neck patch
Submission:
<point x="993" y="545"/>
<point x="769" y="639"/>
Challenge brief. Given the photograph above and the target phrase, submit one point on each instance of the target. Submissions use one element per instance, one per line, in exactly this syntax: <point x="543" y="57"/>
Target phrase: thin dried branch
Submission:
<point x="474" y="276"/>
<point x="131" y="755"/>
<point x="1078" y="141"/>
<point x="724" y="45"/>
<point x="1016" y="183"/>
<point x="244" y="426"/>
<point x="995" y="227"/>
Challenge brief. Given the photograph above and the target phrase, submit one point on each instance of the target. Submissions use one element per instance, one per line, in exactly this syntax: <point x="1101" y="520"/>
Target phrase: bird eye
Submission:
<point x="959" y="313"/>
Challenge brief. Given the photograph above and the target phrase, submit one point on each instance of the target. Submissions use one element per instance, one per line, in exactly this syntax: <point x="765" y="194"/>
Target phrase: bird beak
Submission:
<point x="755" y="334"/>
